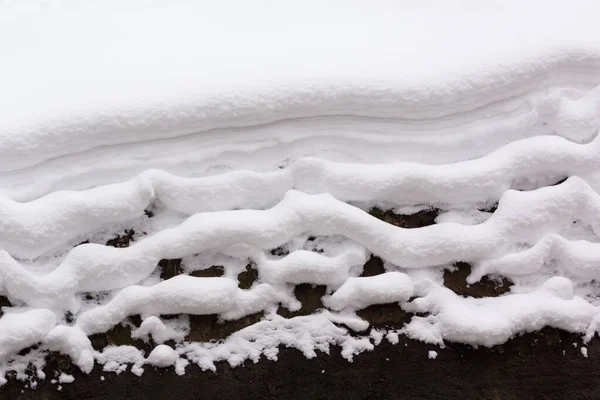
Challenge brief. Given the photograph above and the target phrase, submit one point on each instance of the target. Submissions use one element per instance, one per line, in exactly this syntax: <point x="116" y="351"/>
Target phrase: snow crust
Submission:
<point x="242" y="133"/>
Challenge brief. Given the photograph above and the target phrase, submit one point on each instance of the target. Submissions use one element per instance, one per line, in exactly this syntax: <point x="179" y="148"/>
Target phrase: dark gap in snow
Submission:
<point x="281" y="251"/>
<point x="119" y="335"/>
<point x="4" y="303"/>
<point x="456" y="280"/>
<point x="121" y="241"/>
<point x="58" y="363"/>
<point x="205" y="328"/>
<point x="490" y="209"/>
<point x="69" y="318"/>
<point x="248" y="277"/>
<point x="27" y="350"/>
<point x="559" y="181"/>
<point x="310" y="297"/>
<point x="96" y="296"/>
<point x="385" y="315"/>
<point x="374" y="266"/>
<point x="418" y="220"/>
<point x="170" y="268"/>
<point x="213" y="272"/>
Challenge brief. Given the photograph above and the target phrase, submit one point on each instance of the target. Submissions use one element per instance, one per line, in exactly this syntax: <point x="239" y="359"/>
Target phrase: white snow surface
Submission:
<point x="220" y="136"/>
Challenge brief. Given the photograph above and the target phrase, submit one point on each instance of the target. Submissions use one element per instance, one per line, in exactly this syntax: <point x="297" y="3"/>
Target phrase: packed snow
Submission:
<point x="222" y="136"/>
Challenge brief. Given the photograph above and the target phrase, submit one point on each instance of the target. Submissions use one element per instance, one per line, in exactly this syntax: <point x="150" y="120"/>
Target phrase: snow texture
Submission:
<point x="182" y="122"/>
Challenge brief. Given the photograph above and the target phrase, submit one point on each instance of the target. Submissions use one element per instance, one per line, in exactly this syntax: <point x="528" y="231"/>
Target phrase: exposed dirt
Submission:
<point x="417" y="220"/>
<point x="170" y="268"/>
<point x="529" y="367"/>
<point x="309" y="296"/>
<point x="4" y="303"/>
<point x="532" y="366"/>
<point x="457" y="281"/>
<point x="212" y="272"/>
<point x="247" y="278"/>
<point x="204" y="328"/>
<point x="122" y="241"/>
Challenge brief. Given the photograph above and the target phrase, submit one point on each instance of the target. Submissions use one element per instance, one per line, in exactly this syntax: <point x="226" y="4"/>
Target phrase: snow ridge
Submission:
<point x="522" y="217"/>
<point x="67" y="215"/>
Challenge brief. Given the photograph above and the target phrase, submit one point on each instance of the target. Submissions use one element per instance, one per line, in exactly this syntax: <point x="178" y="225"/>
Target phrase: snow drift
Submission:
<point x="240" y="132"/>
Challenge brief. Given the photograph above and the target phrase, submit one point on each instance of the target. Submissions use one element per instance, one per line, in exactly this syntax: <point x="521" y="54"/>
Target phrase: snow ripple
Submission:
<point x="67" y="215"/>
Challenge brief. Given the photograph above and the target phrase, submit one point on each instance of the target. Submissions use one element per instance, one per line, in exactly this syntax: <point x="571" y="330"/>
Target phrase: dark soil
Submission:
<point x="457" y="281"/>
<point x="123" y="240"/>
<point x="529" y="367"/>
<point x="417" y="220"/>
<point x="212" y="272"/>
<point x="170" y="268"/>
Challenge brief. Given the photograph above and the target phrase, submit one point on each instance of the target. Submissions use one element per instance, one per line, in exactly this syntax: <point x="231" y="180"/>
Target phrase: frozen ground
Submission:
<point x="262" y="138"/>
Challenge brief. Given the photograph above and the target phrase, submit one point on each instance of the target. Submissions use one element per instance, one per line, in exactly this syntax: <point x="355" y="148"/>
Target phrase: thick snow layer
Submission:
<point x="277" y="126"/>
<point x="193" y="76"/>
<point x="70" y="214"/>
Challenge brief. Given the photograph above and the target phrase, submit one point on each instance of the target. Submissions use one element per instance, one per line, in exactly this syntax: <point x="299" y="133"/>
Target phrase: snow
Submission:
<point x="248" y="131"/>
<point x="65" y="378"/>
<point x="359" y="293"/>
<point x="162" y="331"/>
<point x="20" y="330"/>
<point x="493" y="321"/>
<point x="162" y="356"/>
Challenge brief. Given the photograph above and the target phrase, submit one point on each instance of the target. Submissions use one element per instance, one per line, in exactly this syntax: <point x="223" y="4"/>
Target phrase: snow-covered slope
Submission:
<point x="245" y="126"/>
